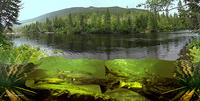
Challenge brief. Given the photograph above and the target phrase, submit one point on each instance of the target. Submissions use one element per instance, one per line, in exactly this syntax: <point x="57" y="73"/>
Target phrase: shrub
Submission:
<point x="194" y="44"/>
<point x="195" y="53"/>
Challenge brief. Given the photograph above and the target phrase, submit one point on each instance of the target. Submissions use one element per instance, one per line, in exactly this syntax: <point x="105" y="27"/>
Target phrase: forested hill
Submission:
<point x="77" y="10"/>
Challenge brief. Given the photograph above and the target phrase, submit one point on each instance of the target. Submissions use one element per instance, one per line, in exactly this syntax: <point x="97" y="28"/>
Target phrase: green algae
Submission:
<point x="140" y="68"/>
<point x="130" y="67"/>
<point x="134" y="69"/>
<point x="52" y="64"/>
<point x="121" y="94"/>
<point x="60" y="88"/>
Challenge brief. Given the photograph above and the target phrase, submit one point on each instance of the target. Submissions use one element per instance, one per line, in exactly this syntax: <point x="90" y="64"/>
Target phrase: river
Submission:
<point x="165" y="45"/>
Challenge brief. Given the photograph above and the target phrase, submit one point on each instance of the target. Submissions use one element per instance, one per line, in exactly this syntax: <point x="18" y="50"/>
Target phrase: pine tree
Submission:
<point x="70" y="20"/>
<point x="107" y="20"/>
<point x="9" y="11"/>
<point x="49" y="25"/>
<point x="94" y="19"/>
<point x="118" y="22"/>
<point x="150" y="23"/>
<point x="82" y="22"/>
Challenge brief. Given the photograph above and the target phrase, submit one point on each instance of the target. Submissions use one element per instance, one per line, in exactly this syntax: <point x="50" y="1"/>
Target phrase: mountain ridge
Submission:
<point x="75" y="10"/>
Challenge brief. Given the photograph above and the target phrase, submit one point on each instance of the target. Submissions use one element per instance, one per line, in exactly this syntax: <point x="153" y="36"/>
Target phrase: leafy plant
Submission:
<point x="21" y="55"/>
<point x="194" y="44"/>
<point x="195" y="53"/>
<point x="188" y="76"/>
<point x="12" y="81"/>
<point x="183" y="86"/>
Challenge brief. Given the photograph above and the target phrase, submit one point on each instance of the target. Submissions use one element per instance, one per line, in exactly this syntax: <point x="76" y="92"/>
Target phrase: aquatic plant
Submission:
<point x="12" y="81"/>
<point x="188" y="76"/>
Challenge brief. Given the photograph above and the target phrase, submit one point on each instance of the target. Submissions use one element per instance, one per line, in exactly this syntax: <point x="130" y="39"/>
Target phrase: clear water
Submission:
<point x="164" y="46"/>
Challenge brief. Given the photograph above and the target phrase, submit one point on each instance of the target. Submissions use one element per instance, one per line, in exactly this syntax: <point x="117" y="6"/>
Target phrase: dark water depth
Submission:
<point x="138" y="46"/>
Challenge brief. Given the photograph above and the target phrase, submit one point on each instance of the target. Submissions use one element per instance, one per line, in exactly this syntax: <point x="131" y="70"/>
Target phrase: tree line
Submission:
<point x="129" y="22"/>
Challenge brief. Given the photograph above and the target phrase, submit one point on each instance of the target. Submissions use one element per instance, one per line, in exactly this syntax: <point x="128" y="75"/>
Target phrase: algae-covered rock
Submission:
<point x="97" y="78"/>
<point x="139" y="68"/>
<point x="131" y="85"/>
<point x="122" y="94"/>
<point x="59" y="85"/>
<point x="90" y="66"/>
<point x="57" y="88"/>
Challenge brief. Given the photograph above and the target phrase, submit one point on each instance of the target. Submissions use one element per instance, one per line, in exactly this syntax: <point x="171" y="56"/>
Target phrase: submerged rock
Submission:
<point x="71" y="91"/>
<point x="90" y="79"/>
<point x="122" y="94"/>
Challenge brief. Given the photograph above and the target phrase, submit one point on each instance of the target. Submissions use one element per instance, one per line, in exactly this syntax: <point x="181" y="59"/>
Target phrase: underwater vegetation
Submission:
<point x="75" y="78"/>
<point x="12" y="82"/>
<point x="188" y="76"/>
<point x="184" y="86"/>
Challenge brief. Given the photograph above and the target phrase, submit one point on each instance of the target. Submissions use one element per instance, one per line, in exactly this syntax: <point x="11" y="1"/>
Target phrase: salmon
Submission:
<point x="73" y="75"/>
<point x="115" y="73"/>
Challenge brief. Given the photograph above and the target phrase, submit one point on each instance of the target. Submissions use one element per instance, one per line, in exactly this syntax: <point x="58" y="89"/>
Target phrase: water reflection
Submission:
<point x="157" y="45"/>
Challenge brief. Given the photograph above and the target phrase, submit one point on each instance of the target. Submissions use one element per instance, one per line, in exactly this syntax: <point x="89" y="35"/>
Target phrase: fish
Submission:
<point x="115" y="73"/>
<point x="73" y="75"/>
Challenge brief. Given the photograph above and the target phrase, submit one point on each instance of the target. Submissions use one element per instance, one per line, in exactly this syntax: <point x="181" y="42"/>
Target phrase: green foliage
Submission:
<point x="129" y="22"/>
<point x="190" y="11"/>
<point x="194" y="44"/>
<point x="85" y="10"/>
<point x="4" y="42"/>
<point x="9" y="10"/>
<point x="12" y="82"/>
<point x="107" y="20"/>
<point x="21" y="55"/>
<point x="195" y="53"/>
<point x="183" y="86"/>
<point x="188" y="76"/>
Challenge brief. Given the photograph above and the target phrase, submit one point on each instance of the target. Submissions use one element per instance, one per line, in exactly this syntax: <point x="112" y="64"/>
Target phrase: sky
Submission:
<point x="34" y="8"/>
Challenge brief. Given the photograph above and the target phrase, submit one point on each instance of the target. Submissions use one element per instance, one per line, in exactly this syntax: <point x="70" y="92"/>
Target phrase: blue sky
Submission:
<point x="34" y="8"/>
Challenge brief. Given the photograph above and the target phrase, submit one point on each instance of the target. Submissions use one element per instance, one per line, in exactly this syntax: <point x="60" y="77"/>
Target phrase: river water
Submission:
<point x="164" y="46"/>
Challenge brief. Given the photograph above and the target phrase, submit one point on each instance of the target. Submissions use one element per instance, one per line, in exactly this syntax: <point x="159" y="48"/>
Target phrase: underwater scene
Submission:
<point x="108" y="50"/>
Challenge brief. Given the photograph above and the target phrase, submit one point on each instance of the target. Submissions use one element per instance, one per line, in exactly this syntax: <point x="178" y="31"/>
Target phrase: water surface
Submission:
<point x="164" y="46"/>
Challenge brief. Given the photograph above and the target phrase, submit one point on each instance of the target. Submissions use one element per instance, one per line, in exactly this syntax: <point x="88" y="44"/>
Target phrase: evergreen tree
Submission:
<point x="82" y="22"/>
<point x="107" y="20"/>
<point x="94" y="19"/>
<point x="49" y="25"/>
<point x="118" y="23"/>
<point x="70" y="20"/>
<point x="9" y="11"/>
<point x="150" y="22"/>
<point x="101" y="23"/>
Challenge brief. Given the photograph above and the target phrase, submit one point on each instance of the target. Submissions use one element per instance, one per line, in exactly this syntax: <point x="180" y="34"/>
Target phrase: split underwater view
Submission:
<point x="99" y="50"/>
